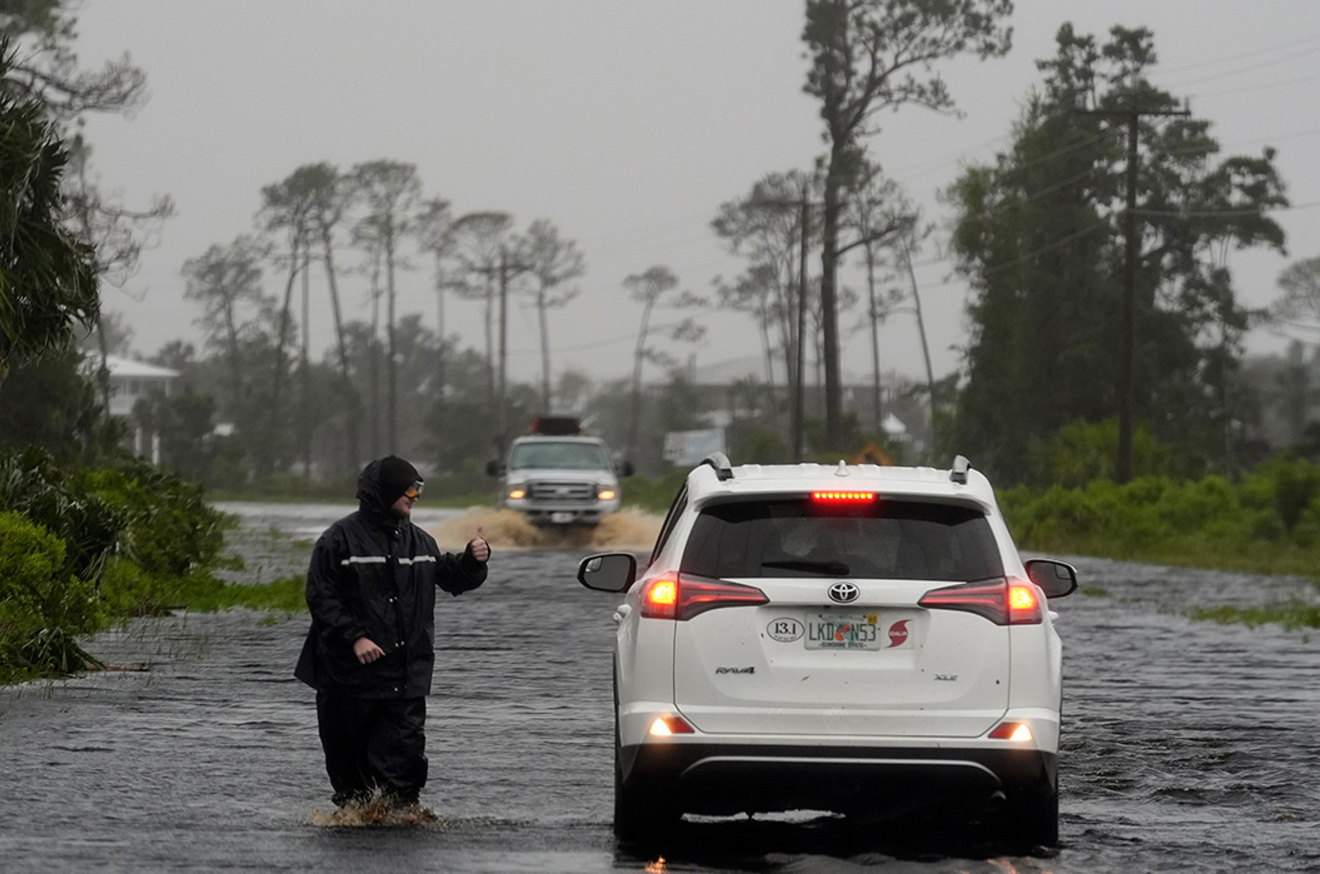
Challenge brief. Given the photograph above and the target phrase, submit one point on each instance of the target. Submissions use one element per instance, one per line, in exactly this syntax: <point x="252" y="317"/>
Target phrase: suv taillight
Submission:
<point x="1003" y="602"/>
<point x="672" y="597"/>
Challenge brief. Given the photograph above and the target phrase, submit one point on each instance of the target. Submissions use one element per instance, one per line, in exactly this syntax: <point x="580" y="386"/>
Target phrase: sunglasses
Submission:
<point x="414" y="491"/>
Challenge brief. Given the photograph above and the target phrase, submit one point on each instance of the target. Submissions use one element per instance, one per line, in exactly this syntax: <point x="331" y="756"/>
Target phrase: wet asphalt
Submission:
<point x="1188" y="746"/>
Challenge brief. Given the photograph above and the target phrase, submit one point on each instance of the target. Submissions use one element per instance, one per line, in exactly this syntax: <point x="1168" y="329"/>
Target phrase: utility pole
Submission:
<point x="799" y="384"/>
<point x="1128" y="350"/>
<point x="500" y="424"/>
<point x="507" y="271"/>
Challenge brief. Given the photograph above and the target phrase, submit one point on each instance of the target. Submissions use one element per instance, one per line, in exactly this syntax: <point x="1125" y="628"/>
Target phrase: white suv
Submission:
<point x="858" y="639"/>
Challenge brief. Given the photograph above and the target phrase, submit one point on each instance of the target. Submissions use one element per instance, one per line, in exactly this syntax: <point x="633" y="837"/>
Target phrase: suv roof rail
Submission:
<point x="958" y="473"/>
<point x="719" y="461"/>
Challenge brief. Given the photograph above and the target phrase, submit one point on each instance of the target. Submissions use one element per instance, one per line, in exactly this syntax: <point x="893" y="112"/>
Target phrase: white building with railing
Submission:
<point x="131" y="381"/>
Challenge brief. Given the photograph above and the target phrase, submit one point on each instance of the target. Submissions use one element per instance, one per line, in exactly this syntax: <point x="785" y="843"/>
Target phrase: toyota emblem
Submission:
<point x="844" y="593"/>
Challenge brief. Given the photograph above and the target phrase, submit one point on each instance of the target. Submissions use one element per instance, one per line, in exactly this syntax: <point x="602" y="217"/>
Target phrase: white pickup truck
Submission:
<point x="556" y="475"/>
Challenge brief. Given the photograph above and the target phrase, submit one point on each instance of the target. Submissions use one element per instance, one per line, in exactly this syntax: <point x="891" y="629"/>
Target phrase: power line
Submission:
<point x="1314" y="38"/>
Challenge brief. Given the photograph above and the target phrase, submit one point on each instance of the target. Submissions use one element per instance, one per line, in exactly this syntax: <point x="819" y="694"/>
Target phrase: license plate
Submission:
<point x="842" y="631"/>
<point x="561" y="518"/>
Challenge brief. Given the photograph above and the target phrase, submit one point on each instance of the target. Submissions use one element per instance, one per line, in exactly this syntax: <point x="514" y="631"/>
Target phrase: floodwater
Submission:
<point x="1188" y="746"/>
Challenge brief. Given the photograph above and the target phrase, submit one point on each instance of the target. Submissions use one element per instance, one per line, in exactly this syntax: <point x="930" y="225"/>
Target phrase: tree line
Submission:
<point x="1081" y="215"/>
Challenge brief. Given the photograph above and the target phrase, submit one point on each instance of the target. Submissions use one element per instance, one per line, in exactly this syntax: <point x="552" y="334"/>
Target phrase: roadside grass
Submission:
<point x="282" y="595"/>
<point x="1242" y="555"/>
<point x="1292" y="615"/>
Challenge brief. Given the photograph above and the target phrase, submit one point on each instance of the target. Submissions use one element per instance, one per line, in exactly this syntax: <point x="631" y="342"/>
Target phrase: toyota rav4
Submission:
<point x="858" y="639"/>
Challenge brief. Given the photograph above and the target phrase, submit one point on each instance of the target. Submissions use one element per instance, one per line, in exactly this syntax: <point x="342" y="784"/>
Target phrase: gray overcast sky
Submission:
<point x="625" y="122"/>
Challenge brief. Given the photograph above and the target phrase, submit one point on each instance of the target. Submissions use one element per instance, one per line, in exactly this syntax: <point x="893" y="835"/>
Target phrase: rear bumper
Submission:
<point x="723" y="779"/>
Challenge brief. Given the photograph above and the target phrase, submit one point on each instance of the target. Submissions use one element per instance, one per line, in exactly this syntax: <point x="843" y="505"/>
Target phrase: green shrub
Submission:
<point x="653" y="495"/>
<point x="42" y="607"/>
<point x="169" y="529"/>
<point x="1296" y="483"/>
<point x="763" y="446"/>
<point x="109" y="543"/>
<point x="31" y="484"/>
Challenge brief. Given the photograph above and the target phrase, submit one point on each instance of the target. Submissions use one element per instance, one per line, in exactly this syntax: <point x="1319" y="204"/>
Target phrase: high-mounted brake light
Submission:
<point x="842" y="497"/>
<point x="683" y="598"/>
<point x="1003" y="602"/>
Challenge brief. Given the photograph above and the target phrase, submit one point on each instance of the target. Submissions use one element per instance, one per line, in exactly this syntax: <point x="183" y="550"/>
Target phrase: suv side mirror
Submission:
<point x="1055" y="578"/>
<point x="624" y="468"/>
<point x="494" y="468"/>
<point x="608" y="571"/>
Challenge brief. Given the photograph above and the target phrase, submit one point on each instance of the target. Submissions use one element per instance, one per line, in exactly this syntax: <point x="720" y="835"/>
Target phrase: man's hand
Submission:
<point x="479" y="547"/>
<point x="366" y="650"/>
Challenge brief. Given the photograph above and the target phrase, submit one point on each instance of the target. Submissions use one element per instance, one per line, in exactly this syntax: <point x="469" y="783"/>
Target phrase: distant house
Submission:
<point x="130" y="381"/>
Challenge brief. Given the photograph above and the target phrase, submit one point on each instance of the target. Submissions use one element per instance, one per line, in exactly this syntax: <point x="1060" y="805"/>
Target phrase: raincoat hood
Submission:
<point x="382" y="482"/>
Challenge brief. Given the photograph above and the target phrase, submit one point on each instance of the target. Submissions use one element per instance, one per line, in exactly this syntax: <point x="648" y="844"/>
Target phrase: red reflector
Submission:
<point x="681" y="599"/>
<point x="1017" y="731"/>
<point x="842" y="497"/>
<point x="667" y="725"/>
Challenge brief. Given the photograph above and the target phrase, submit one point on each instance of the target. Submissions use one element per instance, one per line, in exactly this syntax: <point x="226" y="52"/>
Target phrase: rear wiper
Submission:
<point x="833" y="568"/>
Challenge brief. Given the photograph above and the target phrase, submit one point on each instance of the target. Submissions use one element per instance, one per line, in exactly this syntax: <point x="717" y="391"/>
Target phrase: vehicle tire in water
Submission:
<point x="1031" y="817"/>
<point x="638" y="818"/>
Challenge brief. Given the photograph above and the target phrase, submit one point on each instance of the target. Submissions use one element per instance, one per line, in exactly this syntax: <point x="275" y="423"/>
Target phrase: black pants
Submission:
<point x="373" y="745"/>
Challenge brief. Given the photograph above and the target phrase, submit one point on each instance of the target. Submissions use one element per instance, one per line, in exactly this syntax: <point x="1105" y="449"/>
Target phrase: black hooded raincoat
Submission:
<point x="374" y="575"/>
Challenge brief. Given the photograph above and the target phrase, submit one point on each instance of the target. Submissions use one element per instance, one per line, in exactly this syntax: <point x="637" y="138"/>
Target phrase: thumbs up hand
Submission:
<point x="479" y="547"/>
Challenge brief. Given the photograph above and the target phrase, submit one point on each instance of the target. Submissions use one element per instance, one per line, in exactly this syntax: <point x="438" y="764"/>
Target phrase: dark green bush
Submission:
<point x="111" y="542"/>
<point x="1269" y="522"/>
<point x="42" y="607"/>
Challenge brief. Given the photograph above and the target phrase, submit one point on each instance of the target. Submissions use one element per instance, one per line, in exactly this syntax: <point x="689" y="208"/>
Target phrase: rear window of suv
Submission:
<point x="902" y="540"/>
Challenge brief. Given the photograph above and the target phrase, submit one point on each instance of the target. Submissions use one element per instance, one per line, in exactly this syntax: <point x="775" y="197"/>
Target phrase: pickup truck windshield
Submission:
<point x="559" y="456"/>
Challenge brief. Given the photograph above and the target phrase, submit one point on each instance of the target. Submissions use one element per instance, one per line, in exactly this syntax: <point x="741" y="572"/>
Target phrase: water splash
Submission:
<point x="509" y="529"/>
<point x="376" y="812"/>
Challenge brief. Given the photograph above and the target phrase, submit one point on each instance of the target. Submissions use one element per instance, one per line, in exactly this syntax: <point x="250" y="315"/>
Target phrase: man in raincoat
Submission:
<point x="371" y="648"/>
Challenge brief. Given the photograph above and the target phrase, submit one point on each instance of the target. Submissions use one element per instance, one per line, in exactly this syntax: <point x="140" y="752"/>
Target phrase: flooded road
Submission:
<point x="1188" y="746"/>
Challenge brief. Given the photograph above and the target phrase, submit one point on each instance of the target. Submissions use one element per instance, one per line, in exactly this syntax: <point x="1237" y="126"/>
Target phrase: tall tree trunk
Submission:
<point x="925" y="347"/>
<point x="352" y="399"/>
<point x="304" y="366"/>
<point x="490" y="333"/>
<point x="768" y="348"/>
<point x="441" y="347"/>
<point x="638" y="355"/>
<point x="373" y="357"/>
<point x="392" y="364"/>
<point x="829" y="301"/>
<point x="875" y="336"/>
<point x="270" y="446"/>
